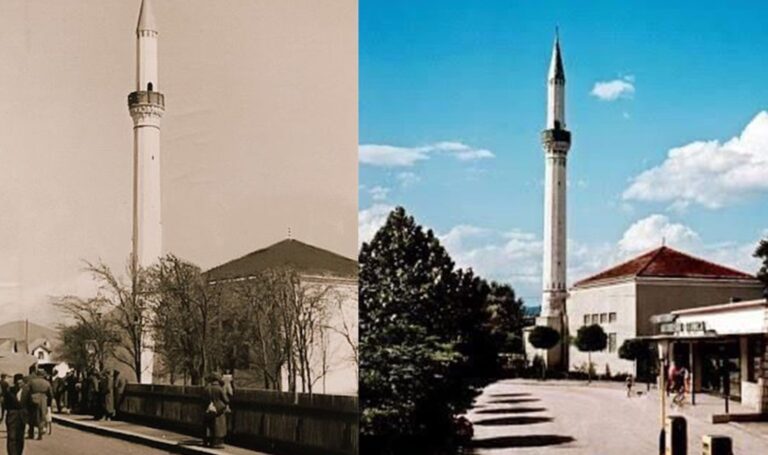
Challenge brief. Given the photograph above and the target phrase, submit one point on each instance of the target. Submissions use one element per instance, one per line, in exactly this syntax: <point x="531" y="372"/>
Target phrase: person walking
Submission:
<point x="15" y="402"/>
<point x="3" y="386"/>
<point x="107" y="389"/>
<point x="630" y="383"/>
<point x="59" y="392"/>
<point x="215" y="419"/>
<point x="70" y="387"/>
<point x="41" y="397"/>
<point x="120" y="383"/>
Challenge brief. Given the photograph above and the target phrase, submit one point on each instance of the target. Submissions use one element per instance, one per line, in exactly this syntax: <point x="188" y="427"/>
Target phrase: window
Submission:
<point x="611" y="342"/>
<point x="603" y="318"/>
<point x="586" y="319"/>
<point x="611" y="317"/>
<point x="594" y="319"/>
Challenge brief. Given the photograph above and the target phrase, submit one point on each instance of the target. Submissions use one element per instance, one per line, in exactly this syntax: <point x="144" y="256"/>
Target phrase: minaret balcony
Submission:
<point x="146" y="98"/>
<point x="555" y="135"/>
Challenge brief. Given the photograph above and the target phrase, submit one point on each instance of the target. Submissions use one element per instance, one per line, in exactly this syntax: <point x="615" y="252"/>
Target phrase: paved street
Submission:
<point x="530" y="417"/>
<point x="68" y="441"/>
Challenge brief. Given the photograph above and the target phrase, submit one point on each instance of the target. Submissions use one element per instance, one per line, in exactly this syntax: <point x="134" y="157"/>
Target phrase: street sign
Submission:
<point x="663" y="318"/>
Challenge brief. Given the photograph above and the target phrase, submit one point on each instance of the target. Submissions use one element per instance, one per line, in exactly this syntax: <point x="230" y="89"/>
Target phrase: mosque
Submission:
<point x="724" y="310"/>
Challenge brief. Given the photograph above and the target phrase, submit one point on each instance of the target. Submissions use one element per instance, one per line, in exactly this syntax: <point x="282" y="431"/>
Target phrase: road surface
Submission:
<point x="532" y="417"/>
<point x="69" y="441"/>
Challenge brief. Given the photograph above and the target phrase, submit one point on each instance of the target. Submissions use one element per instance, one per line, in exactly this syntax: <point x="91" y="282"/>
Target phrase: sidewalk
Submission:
<point x="152" y="437"/>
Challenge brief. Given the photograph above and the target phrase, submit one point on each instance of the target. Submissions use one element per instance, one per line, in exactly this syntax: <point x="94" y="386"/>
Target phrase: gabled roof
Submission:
<point x="665" y="262"/>
<point x="305" y="259"/>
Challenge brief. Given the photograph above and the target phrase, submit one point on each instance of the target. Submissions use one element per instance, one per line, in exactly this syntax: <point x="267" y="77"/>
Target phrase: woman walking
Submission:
<point x="215" y="417"/>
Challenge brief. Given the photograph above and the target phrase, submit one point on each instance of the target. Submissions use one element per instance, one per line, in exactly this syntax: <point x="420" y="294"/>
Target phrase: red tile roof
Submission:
<point x="667" y="263"/>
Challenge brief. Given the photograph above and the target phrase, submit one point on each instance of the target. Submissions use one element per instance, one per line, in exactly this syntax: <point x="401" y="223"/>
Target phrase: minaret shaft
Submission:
<point x="147" y="106"/>
<point x="556" y="142"/>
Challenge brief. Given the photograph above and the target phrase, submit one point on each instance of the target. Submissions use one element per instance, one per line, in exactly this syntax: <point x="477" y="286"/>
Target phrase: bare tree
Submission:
<point x="91" y="324"/>
<point x="187" y="318"/>
<point x="129" y="310"/>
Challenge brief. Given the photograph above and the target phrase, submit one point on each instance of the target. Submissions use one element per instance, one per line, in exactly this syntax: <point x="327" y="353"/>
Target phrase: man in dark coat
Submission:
<point x="41" y="396"/>
<point x="215" y="418"/>
<point x="70" y="385"/>
<point x="3" y="386"/>
<point x="120" y="385"/>
<point x="15" y="402"/>
<point x="59" y="391"/>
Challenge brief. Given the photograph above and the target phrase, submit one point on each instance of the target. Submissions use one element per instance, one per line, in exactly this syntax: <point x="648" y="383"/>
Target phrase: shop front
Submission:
<point x="724" y="349"/>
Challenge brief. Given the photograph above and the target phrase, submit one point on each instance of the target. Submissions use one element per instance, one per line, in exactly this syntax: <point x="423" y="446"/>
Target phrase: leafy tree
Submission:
<point x="423" y="325"/>
<point x="543" y="337"/>
<point x="591" y="338"/>
<point x="761" y="252"/>
<point x="506" y="317"/>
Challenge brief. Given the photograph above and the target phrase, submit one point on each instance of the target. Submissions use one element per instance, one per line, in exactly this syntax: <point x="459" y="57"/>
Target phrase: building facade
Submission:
<point x="724" y="343"/>
<point x="622" y="299"/>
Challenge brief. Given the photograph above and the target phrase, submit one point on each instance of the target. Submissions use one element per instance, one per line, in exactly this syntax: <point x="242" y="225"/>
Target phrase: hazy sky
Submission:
<point x="259" y="135"/>
<point x="667" y="104"/>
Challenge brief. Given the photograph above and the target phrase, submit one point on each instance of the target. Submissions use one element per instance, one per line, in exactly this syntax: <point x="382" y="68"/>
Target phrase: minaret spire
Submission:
<point x="556" y="141"/>
<point x="146" y="17"/>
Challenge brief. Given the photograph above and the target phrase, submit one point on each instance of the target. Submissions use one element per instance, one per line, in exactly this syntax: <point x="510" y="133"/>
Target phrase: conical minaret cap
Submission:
<point x="146" y="17"/>
<point x="556" y="70"/>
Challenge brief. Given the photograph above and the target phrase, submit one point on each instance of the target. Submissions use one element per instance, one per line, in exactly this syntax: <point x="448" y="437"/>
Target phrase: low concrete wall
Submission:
<point x="277" y="422"/>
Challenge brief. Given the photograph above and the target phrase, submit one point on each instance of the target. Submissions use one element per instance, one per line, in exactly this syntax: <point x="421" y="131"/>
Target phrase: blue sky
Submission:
<point x="452" y="100"/>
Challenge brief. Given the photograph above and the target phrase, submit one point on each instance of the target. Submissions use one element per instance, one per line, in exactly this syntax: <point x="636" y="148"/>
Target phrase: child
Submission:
<point x="630" y="383"/>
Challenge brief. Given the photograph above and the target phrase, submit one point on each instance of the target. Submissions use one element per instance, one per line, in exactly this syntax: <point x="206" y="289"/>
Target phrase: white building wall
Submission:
<point x="616" y="298"/>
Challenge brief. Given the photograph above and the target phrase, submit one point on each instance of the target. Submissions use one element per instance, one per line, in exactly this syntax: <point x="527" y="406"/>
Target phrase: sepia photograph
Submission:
<point x="178" y="236"/>
<point x="563" y="240"/>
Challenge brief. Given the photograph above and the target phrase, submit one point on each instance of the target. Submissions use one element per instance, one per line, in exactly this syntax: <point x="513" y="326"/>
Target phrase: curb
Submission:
<point x="136" y="438"/>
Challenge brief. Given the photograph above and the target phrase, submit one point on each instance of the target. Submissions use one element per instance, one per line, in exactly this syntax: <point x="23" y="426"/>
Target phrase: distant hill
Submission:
<point x="16" y="330"/>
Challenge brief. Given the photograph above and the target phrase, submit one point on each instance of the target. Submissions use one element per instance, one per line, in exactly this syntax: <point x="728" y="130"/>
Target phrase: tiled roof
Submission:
<point x="305" y="259"/>
<point x="666" y="262"/>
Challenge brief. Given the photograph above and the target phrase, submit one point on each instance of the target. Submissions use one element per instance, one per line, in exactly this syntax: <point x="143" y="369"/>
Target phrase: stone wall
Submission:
<point x="277" y="422"/>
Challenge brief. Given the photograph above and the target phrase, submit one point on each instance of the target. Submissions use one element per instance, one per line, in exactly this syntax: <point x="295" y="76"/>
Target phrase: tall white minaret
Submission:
<point x="146" y="106"/>
<point x="556" y="141"/>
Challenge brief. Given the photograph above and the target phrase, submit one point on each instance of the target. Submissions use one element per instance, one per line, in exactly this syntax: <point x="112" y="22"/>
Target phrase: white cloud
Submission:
<point x="709" y="173"/>
<point x="615" y="89"/>
<point x="408" y="179"/>
<point x="652" y="231"/>
<point x="379" y="193"/>
<point x="393" y="156"/>
<point x="370" y="220"/>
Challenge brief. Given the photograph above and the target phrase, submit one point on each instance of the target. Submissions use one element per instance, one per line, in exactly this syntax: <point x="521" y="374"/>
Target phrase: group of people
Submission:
<point x="27" y="401"/>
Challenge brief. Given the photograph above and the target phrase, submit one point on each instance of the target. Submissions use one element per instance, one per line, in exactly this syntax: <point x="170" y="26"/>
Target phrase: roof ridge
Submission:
<point x="652" y="258"/>
<point x="712" y="263"/>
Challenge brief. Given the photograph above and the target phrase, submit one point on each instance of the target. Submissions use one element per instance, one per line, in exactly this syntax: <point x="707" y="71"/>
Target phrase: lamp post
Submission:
<point x="663" y="350"/>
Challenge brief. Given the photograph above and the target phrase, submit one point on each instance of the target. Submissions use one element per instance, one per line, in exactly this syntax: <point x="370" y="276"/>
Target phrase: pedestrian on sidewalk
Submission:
<point x="215" y="417"/>
<point x="15" y="402"/>
<point x="120" y="383"/>
<point x="3" y="386"/>
<point x="107" y="389"/>
<point x="41" y="397"/>
<point x="59" y="391"/>
<point x="630" y="383"/>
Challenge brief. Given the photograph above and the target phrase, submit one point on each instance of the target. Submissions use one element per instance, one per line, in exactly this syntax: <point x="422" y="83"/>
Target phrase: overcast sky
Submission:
<point x="259" y="135"/>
